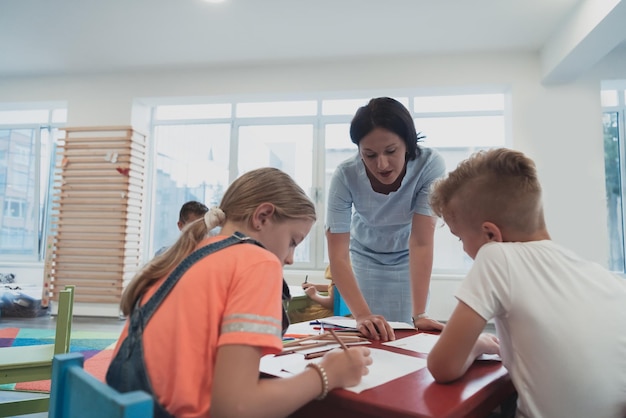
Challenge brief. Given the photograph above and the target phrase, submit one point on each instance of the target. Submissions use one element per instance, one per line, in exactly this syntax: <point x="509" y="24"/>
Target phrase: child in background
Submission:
<point x="560" y="319"/>
<point x="189" y="212"/>
<point x="313" y="291"/>
<point x="320" y="306"/>
<point x="201" y="315"/>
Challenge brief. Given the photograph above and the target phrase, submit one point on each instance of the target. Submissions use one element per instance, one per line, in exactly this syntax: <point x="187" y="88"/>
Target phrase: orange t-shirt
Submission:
<point x="230" y="297"/>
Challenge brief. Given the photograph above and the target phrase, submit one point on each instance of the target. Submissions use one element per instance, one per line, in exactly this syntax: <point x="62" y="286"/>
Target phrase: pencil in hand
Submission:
<point x="309" y="356"/>
<point x="341" y="343"/>
<point x="317" y="354"/>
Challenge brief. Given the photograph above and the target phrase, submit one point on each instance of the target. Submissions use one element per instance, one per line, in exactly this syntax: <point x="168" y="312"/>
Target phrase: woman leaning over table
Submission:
<point x="379" y="225"/>
<point x="197" y="335"/>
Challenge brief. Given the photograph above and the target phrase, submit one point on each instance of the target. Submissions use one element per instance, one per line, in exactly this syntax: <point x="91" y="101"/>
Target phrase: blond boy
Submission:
<point x="560" y="320"/>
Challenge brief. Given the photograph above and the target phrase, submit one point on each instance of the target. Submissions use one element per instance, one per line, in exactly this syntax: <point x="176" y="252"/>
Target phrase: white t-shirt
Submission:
<point x="561" y="321"/>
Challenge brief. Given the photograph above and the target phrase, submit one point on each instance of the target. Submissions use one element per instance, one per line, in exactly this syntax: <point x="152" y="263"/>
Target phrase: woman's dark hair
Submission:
<point x="389" y="114"/>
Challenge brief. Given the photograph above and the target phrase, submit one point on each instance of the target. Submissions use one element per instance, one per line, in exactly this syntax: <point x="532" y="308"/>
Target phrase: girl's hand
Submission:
<point x="345" y="368"/>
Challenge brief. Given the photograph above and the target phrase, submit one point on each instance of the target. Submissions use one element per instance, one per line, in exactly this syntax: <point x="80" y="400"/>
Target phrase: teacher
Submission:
<point x="379" y="225"/>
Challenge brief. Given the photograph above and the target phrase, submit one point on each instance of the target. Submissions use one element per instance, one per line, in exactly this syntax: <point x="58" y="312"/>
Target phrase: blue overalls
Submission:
<point x="127" y="371"/>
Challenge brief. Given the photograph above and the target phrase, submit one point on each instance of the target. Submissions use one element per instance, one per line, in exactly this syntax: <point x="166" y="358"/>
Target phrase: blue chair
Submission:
<point x="77" y="394"/>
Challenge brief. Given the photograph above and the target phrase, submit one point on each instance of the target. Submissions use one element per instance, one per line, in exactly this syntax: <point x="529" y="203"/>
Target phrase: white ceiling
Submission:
<point x="49" y="37"/>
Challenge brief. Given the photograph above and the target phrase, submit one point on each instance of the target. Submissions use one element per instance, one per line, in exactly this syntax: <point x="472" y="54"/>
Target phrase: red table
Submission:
<point x="484" y="387"/>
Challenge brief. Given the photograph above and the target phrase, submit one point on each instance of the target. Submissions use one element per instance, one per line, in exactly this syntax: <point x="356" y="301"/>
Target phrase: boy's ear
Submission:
<point x="492" y="232"/>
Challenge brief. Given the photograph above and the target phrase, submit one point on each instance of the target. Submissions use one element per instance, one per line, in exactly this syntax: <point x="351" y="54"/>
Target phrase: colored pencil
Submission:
<point x="341" y="343"/>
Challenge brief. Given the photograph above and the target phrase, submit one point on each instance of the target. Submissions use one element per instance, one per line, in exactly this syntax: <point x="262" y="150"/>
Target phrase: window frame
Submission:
<point x="318" y="122"/>
<point x="36" y="246"/>
<point x="38" y="117"/>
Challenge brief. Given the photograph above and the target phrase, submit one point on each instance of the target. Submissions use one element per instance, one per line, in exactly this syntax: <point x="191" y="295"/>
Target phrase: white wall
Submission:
<point x="559" y="126"/>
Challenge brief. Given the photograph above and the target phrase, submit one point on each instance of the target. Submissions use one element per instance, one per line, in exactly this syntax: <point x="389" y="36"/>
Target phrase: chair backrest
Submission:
<point x="64" y="320"/>
<point x="77" y="394"/>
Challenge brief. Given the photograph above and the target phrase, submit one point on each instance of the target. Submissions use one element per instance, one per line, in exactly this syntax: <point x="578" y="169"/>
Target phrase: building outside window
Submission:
<point x="27" y="138"/>
<point x="613" y="122"/>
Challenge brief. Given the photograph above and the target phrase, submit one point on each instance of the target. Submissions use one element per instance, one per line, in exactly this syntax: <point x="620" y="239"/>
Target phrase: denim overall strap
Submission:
<point x="127" y="371"/>
<point x="155" y="301"/>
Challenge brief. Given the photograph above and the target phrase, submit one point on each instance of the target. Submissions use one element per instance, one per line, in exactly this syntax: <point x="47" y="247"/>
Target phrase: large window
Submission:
<point x="27" y="138"/>
<point x="614" y="105"/>
<point x="201" y="148"/>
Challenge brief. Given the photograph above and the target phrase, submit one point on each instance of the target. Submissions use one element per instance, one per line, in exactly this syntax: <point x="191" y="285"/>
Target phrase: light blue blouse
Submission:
<point x="381" y="224"/>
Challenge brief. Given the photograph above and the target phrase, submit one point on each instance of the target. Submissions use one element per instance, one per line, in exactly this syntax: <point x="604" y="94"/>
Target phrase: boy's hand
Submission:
<point x="487" y="344"/>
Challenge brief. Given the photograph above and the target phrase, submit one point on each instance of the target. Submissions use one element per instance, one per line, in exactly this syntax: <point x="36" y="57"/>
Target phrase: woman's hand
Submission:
<point x="375" y="327"/>
<point x="345" y="368"/>
<point x="427" y="324"/>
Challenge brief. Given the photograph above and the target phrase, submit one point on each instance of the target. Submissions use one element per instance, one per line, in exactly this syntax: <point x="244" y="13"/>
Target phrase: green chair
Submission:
<point x="77" y="394"/>
<point x="33" y="363"/>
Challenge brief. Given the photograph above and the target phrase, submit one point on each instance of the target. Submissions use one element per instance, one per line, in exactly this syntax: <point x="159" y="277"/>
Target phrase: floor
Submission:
<point x="48" y="322"/>
<point x="79" y="323"/>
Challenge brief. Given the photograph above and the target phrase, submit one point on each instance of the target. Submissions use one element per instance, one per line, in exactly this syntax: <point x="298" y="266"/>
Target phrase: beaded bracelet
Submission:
<point x="324" y="376"/>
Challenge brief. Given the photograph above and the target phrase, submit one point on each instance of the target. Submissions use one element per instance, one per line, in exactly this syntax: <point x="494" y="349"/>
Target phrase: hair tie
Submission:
<point x="214" y="217"/>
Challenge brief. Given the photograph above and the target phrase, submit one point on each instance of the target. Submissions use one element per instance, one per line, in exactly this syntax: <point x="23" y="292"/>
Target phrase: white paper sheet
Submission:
<point x="386" y="366"/>
<point x="489" y="357"/>
<point x="423" y="343"/>
<point x="296" y="291"/>
<point x="420" y="343"/>
<point x="343" y="322"/>
<point x="302" y="328"/>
